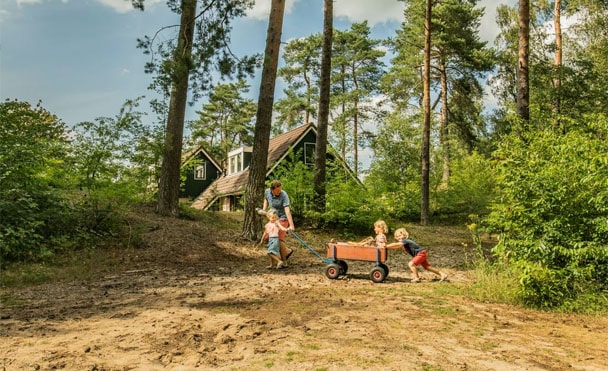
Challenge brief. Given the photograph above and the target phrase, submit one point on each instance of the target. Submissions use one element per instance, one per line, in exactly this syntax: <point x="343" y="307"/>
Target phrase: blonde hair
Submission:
<point x="271" y="212"/>
<point x="382" y="225"/>
<point x="401" y="232"/>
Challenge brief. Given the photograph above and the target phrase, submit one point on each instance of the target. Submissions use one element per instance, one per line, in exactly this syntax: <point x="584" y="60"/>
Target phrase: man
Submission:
<point x="276" y="198"/>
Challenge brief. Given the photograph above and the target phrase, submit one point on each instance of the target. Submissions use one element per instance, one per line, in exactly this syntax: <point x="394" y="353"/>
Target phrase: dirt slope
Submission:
<point x="193" y="297"/>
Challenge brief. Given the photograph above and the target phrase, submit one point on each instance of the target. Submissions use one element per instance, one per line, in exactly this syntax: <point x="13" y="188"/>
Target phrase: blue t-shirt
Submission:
<point x="411" y="247"/>
<point x="278" y="202"/>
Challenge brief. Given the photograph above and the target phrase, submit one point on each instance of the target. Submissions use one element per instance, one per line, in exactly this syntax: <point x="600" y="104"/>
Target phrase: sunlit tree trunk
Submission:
<point x="443" y="122"/>
<point x="259" y="161"/>
<point x="168" y="186"/>
<point x="523" y="79"/>
<point x="321" y="150"/>
<point x="557" y="81"/>
<point x="356" y="129"/>
<point x="426" y="127"/>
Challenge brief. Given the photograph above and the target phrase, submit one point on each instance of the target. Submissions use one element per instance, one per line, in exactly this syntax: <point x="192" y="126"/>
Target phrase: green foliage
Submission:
<point x="32" y="168"/>
<point x="210" y="50"/>
<point x="301" y="74"/>
<point x="394" y="177"/>
<point x="297" y="179"/>
<point x="348" y="207"/>
<point x="346" y="198"/>
<point x="558" y="95"/>
<point x="553" y="212"/>
<point x="59" y="195"/>
<point x="226" y="121"/>
<point x="470" y="190"/>
<point x="114" y="153"/>
<point x="34" y="147"/>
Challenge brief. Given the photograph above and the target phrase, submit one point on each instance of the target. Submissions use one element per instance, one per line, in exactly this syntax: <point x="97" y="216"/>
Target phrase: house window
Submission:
<point x="232" y="165"/>
<point x="237" y="160"/>
<point x="309" y="153"/>
<point x="199" y="172"/>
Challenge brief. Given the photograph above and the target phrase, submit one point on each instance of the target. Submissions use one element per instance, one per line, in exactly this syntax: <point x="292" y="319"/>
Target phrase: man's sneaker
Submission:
<point x="444" y="276"/>
<point x="415" y="280"/>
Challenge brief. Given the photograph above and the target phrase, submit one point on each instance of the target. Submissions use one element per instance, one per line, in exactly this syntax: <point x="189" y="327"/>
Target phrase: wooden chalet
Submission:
<point x="225" y="193"/>
<point x="201" y="171"/>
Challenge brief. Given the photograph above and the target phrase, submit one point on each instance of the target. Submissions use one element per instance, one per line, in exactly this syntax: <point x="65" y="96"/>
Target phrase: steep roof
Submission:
<point x="191" y="153"/>
<point x="278" y="148"/>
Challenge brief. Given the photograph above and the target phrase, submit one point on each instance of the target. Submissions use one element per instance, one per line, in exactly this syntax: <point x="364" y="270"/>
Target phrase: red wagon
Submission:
<point x="339" y="252"/>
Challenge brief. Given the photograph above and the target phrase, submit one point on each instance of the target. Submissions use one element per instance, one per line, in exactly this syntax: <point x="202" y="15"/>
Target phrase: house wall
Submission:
<point x="231" y="203"/>
<point x="310" y="137"/>
<point x="191" y="187"/>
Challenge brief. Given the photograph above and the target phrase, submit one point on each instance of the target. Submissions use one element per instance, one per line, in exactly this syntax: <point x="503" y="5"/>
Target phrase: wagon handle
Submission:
<point x="294" y="234"/>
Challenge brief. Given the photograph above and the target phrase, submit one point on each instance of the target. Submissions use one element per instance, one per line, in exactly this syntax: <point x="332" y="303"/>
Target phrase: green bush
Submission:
<point x="553" y="213"/>
<point x="470" y="190"/>
<point x="58" y="194"/>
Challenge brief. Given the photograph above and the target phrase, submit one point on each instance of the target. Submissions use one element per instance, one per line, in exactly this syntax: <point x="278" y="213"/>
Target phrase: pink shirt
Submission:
<point x="272" y="229"/>
<point x="380" y="240"/>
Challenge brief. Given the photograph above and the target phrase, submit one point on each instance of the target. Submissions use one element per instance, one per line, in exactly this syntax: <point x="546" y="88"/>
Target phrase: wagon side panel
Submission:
<point x="339" y="251"/>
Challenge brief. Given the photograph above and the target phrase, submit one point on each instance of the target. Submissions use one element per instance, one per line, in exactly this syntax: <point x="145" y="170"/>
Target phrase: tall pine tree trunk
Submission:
<point x="443" y="122"/>
<point x="259" y="159"/>
<point x="168" y="186"/>
<point x="557" y="80"/>
<point x="356" y="129"/>
<point x="426" y="127"/>
<point x="321" y="150"/>
<point x="523" y="79"/>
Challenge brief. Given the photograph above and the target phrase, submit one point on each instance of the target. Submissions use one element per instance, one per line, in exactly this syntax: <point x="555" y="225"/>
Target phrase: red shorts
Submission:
<point x="284" y="223"/>
<point x="420" y="259"/>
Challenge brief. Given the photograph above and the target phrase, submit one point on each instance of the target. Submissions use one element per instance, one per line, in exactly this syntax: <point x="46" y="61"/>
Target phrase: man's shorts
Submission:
<point x="284" y="223"/>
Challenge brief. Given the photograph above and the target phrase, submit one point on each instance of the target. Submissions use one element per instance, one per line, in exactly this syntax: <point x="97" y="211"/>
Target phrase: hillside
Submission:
<point x="192" y="295"/>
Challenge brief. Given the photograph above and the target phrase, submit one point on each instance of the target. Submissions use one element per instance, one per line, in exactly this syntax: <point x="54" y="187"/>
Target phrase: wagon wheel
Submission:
<point x="385" y="268"/>
<point x="377" y="274"/>
<point x="343" y="266"/>
<point x="332" y="271"/>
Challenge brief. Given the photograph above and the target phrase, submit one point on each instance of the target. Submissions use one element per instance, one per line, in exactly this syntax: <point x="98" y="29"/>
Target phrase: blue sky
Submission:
<point x="79" y="57"/>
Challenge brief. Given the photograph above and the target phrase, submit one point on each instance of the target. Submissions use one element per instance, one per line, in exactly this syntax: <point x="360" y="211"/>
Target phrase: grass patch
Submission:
<point x="493" y="283"/>
<point x="82" y="265"/>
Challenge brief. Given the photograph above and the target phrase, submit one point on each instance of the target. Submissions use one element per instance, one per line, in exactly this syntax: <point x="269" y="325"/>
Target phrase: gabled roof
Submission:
<point x="278" y="149"/>
<point x="199" y="149"/>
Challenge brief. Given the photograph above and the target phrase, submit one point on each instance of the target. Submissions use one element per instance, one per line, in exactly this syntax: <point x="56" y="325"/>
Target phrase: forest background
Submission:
<point x="539" y="183"/>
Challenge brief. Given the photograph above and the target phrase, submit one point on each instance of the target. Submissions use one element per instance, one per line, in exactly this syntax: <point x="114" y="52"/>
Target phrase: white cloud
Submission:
<point x="21" y="2"/>
<point x="374" y="12"/>
<point x="261" y="9"/>
<point x="4" y="14"/>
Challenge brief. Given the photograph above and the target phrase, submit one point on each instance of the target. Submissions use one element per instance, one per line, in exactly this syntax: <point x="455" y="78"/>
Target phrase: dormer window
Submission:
<point x="238" y="160"/>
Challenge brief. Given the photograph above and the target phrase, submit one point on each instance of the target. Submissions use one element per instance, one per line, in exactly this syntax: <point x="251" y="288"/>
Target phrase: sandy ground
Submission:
<point x="191" y="298"/>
